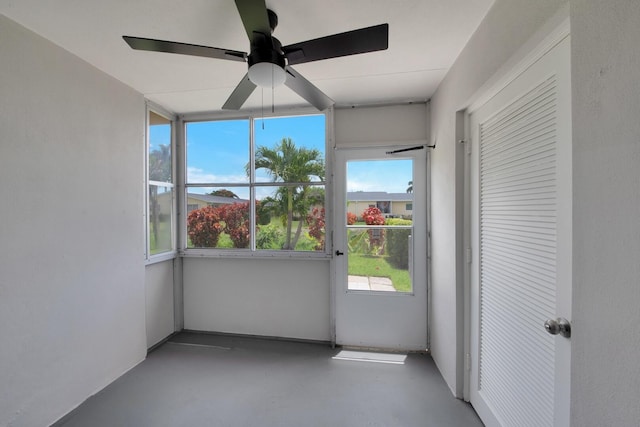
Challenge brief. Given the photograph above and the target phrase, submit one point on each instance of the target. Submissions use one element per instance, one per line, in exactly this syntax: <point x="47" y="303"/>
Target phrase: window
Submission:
<point x="160" y="200"/>
<point x="259" y="184"/>
<point x="384" y="207"/>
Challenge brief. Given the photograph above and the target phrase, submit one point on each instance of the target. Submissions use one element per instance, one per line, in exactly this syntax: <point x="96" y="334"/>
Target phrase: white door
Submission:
<point x="380" y="244"/>
<point x="521" y="246"/>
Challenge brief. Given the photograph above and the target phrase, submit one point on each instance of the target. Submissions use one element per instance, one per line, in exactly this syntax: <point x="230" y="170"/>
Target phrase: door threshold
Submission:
<point x="371" y="356"/>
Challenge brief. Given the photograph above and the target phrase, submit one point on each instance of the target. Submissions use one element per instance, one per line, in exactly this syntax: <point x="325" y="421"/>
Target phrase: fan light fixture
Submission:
<point x="269" y="62"/>
<point x="266" y="74"/>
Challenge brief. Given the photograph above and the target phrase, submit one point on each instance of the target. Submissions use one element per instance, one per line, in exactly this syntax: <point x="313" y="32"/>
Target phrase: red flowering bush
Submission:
<point x="316" y="223"/>
<point x="205" y="225"/>
<point x="204" y="228"/>
<point x="373" y="216"/>
<point x="236" y="223"/>
<point x="351" y="218"/>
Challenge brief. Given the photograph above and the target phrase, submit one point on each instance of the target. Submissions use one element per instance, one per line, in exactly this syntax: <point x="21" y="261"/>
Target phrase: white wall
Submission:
<point x="268" y="297"/>
<point x="381" y="126"/>
<point x="606" y="163"/>
<point x="159" y="301"/>
<point x="501" y="35"/>
<point x="71" y="272"/>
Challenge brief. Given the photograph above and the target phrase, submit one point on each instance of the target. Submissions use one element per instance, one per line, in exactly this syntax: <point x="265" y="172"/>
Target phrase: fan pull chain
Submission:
<point x="262" y="92"/>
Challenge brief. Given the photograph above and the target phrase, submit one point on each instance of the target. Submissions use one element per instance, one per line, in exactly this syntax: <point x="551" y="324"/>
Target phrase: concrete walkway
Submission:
<point x="371" y="283"/>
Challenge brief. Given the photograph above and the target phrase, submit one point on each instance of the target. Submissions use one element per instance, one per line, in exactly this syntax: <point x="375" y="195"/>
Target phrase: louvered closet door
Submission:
<point x="522" y="265"/>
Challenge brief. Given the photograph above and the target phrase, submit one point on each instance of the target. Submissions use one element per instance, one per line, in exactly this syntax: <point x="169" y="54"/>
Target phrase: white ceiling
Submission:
<point x="425" y="37"/>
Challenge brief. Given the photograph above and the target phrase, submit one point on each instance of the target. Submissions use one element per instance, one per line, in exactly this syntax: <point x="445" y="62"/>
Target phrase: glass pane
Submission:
<point x="379" y="225"/>
<point x="217" y="152"/>
<point x="378" y="259"/>
<point x="383" y="184"/>
<point x="159" y="148"/>
<point x="160" y="219"/>
<point x="291" y="218"/>
<point x="218" y="218"/>
<point x="290" y="149"/>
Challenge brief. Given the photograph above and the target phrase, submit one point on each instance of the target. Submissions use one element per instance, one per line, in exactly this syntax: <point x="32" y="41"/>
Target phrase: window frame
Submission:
<point x="254" y="118"/>
<point x="149" y="258"/>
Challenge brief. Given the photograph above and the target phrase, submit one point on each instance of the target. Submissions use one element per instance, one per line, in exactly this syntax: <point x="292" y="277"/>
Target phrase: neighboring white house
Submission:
<point x="392" y="205"/>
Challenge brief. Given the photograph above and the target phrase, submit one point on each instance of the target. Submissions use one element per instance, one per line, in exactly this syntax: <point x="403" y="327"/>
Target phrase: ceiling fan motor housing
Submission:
<point x="262" y="53"/>
<point x="266" y="64"/>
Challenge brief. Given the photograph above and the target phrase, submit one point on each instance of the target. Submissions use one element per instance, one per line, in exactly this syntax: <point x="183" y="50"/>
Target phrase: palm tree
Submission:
<point x="287" y="163"/>
<point x="410" y="188"/>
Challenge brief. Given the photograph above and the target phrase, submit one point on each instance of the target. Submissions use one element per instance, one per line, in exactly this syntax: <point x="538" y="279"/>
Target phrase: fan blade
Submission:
<point x="154" y="45"/>
<point x="364" y="40"/>
<point x="239" y="94"/>
<point x="254" y="17"/>
<point x="307" y="90"/>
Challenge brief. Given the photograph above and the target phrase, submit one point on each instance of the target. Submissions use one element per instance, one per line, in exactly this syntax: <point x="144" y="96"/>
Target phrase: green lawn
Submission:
<point x="378" y="266"/>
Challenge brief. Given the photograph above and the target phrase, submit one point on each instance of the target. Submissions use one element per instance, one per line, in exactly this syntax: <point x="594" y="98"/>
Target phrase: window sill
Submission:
<point x="166" y="256"/>
<point x="235" y="254"/>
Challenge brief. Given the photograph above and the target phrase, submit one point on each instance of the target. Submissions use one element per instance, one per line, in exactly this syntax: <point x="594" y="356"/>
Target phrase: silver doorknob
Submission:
<point x="558" y="326"/>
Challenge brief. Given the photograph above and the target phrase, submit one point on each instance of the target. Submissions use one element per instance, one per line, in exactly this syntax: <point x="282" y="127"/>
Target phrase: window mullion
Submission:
<point x="252" y="191"/>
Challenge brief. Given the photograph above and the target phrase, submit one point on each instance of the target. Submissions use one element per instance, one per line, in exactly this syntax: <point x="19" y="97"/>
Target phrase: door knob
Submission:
<point x="339" y="253"/>
<point x="558" y="326"/>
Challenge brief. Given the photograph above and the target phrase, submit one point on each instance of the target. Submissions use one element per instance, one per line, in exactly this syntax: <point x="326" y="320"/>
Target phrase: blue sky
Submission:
<point x="218" y="151"/>
<point x="391" y="175"/>
<point x="159" y="134"/>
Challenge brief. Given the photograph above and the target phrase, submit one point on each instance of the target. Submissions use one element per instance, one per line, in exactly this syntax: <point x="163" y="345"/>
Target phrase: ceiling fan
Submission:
<point x="269" y="62"/>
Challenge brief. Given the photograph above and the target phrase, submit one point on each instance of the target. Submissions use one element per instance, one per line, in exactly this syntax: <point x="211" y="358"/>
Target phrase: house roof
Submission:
<point x="217" y="200"/>
<point x="379" y="196"/>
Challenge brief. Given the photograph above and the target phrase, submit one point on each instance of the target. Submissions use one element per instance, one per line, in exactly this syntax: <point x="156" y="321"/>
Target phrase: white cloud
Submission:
<point x="197" y="175"/>
<point x="355" y="185"/>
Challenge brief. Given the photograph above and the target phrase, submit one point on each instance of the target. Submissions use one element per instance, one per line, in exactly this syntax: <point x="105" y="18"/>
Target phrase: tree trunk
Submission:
<point x="297" y="236"/>
<point x="287" y="244"/>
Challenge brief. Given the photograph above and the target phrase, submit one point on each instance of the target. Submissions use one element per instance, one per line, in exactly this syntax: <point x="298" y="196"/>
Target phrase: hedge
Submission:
<point x="398" y="243"/>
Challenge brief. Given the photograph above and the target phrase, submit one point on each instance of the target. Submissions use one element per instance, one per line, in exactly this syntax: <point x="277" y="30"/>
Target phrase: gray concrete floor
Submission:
<point x="217" y="380"/>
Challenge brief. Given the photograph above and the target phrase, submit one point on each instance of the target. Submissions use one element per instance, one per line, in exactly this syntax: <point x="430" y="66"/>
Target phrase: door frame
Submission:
<point x="557" y="30"/>
<point x="424" y="175"/>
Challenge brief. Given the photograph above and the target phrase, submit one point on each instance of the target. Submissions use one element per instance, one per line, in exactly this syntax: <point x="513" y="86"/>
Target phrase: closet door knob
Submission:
<point x="559" y="326"/>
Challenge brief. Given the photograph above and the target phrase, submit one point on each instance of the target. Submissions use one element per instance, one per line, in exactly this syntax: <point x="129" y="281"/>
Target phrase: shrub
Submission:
<point x="398" y="221"/>
<point x="205" y="225"/>
<point x="269" y="237"/>
<point x="204" y="228"/>
<point x="351" y="218"/>
<point x="263" y="213"/>
<point x="398" y="243"/>
<point x="373" y="216"/>
<point x="316" y="223"/>
<point x="236" y="223"/>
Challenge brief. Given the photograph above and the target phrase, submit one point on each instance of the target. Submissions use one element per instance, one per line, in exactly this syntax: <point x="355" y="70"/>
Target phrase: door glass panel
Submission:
<point x="379" y="224"/>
